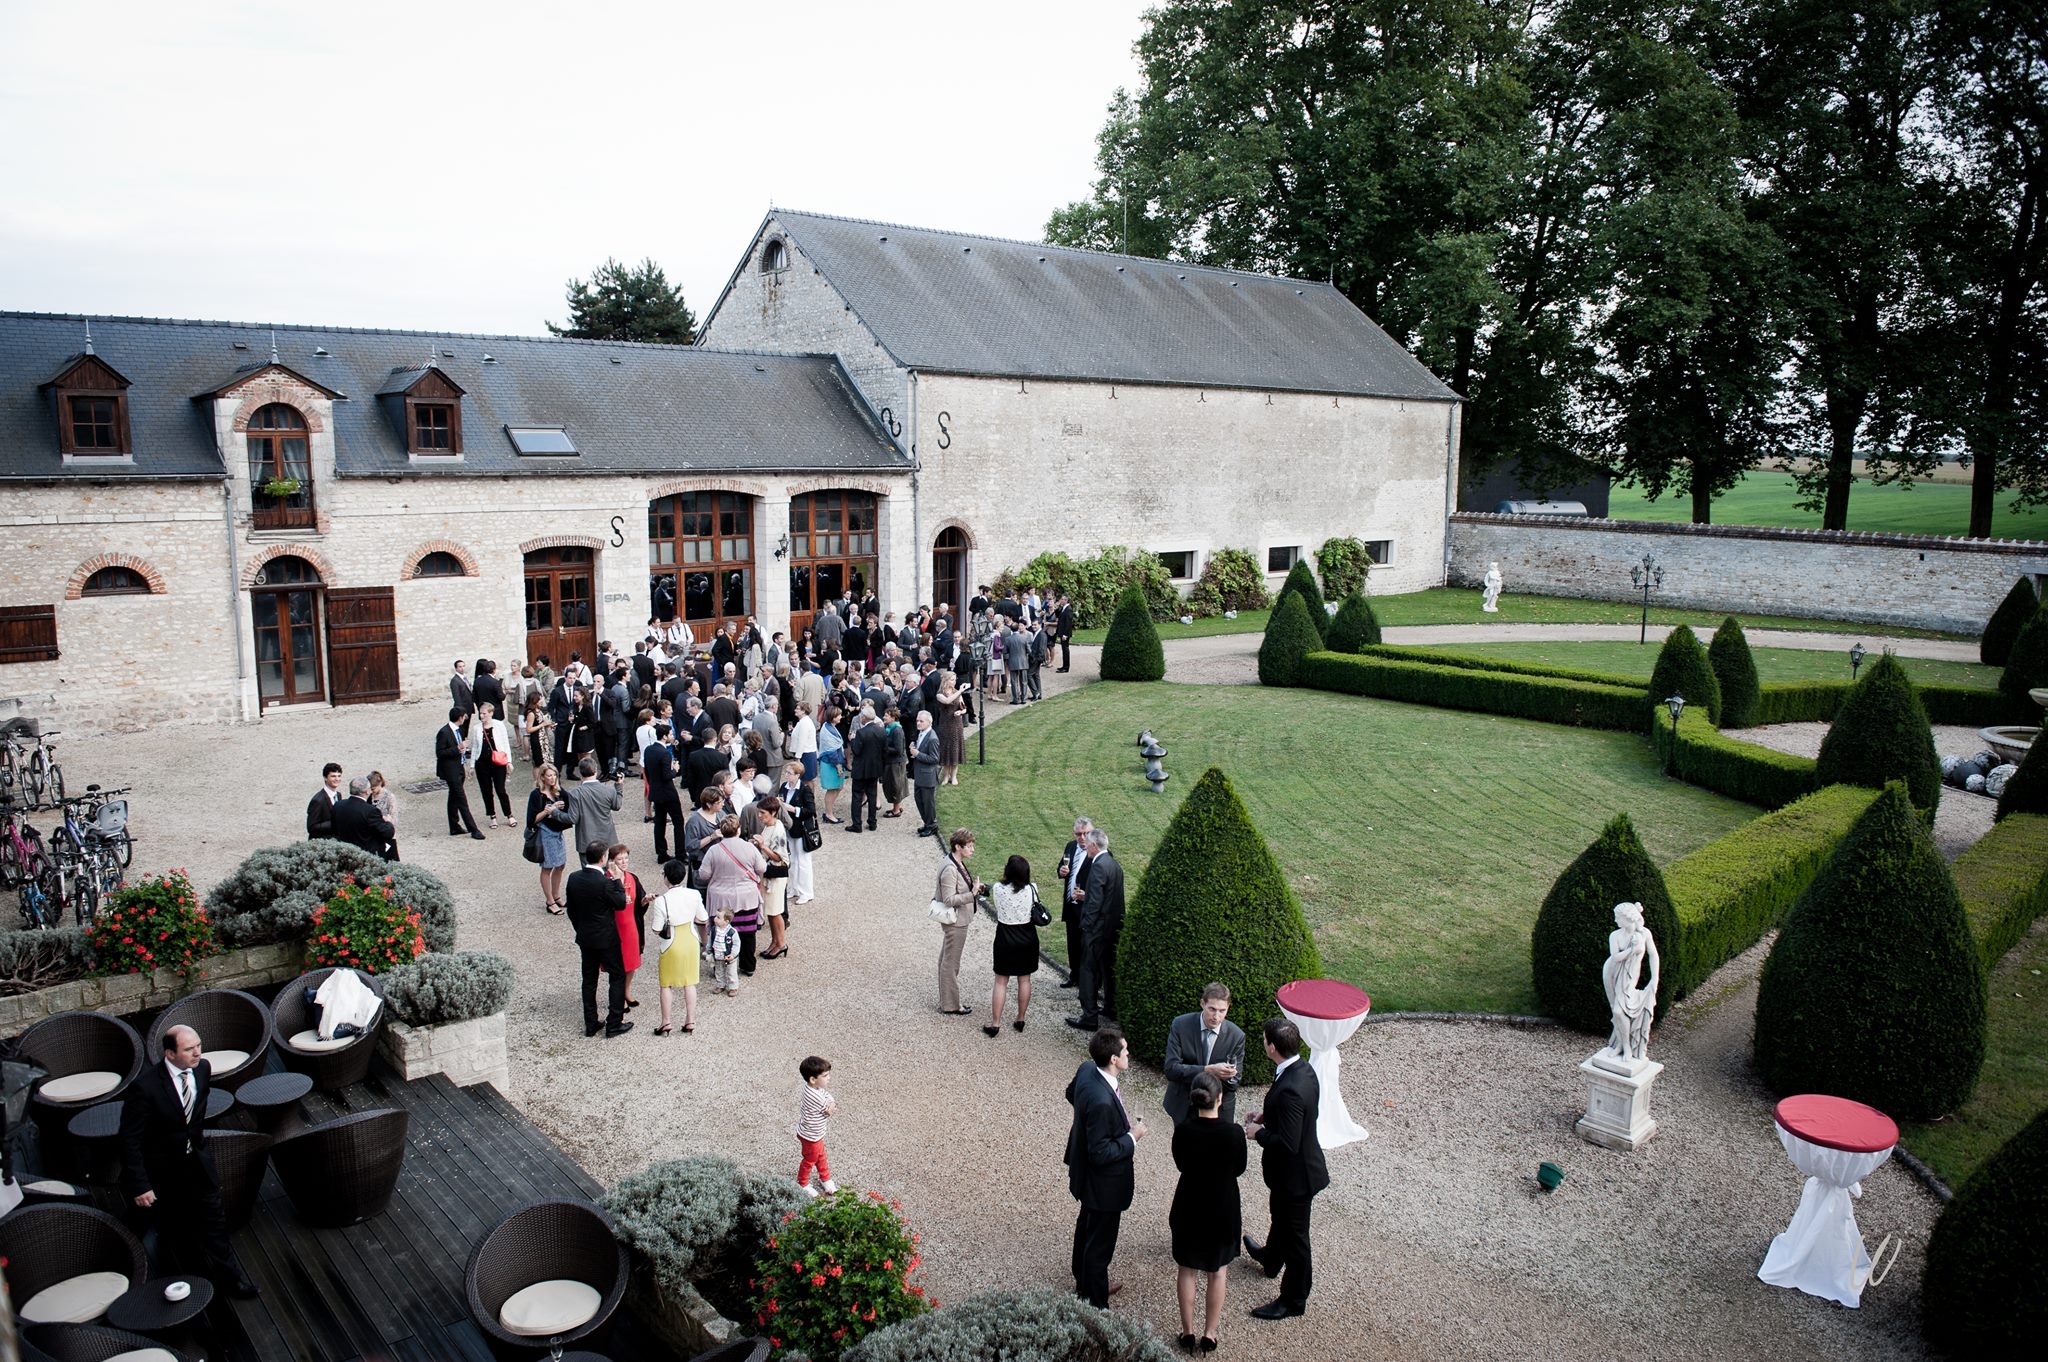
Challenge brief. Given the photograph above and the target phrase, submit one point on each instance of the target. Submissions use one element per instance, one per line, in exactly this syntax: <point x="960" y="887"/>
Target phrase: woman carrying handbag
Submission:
<point x="957" y="890"/>
<point x="1019" y="915"/>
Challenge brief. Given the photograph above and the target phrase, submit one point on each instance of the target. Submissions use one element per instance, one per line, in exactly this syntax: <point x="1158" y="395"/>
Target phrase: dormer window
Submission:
<point x="427" y="405"/>
<point x="774" y="257"/>
<point x="436" y="427"/>
<point x="92" y="410"/>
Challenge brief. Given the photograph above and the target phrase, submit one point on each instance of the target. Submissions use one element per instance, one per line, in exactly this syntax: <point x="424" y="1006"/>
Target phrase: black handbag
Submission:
<point x="1041" y="916"/>
<point x="531" y="849"/>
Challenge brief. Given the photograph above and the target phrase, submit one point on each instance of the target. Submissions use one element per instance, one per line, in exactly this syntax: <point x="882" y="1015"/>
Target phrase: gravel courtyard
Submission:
<point x="1433" y="1242"/>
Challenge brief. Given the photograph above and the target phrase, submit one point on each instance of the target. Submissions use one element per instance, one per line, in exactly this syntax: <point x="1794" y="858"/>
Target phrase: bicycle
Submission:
<point x="108" y="816"/>
<point x="87" y="863"/>
<point x="28" y="763"/>
<point x="26" y="867"/>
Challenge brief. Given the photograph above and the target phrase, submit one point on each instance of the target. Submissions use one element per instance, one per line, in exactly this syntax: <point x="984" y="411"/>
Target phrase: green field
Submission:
<point x="1765" y="498"/>
<point x="2015" y="1076"/>
<point x="1772" y="664"/>
<point x="1420" y="841"/>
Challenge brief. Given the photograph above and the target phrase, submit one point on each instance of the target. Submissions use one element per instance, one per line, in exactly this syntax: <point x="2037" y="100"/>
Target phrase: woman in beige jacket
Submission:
<point x="957" y="890"/>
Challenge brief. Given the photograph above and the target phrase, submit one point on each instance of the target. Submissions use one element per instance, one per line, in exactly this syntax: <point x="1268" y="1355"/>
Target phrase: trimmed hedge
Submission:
<point x="1874" y="990"/>
<point x="1980" y="1295"/>
<point x="1710" y="759"/>
<point x="1300" y="581"/>
<point x="2027" y="668"/>
<point x="2026" y="790"/>
<point x="1213" y="905"/>
<point x="1040" y="1325"/>
<point x="1131" y="651"/>
<point x="690" y="1217"/>
<point x="1354" y="626"/>
<point x="439" y="988"/>
<point x="1473" y="662"/>
<point x="1682" y="669"/>
<point x="2019" y="605"/>
<point x="1290" y="637"/>
<point x="1581" y="704"/>
<point x="1734" y="889"/>
<point x="1802" y="702"/>
<point x="1568" y="944"/>
<point x="1880" y="735"/>
<point x="41" y="958"/>
<point x="2004" y="883"/>
<point x="271" y="895"/>
<point x="1735" y="669"/>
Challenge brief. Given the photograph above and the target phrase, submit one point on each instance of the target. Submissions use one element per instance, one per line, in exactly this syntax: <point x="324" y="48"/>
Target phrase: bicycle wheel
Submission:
<point x="10" y="860"/>
<point x="85" y="893"/>
<point x="33" y="780"/>
<point x="124" y="849"/>
<point x="8" y="775"/>
<point x="55" y="777"/>
<point x="40" y="904"/>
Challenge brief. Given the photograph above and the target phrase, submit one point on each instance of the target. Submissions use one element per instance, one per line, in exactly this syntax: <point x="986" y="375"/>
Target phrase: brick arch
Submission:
<point x="673" y="488"/>
<point x="260" y="395"/>
<point x="563" y="541"/>
<point x="953" y="524"/>
<point x="449" y="546"/>
<point x="881" y="487"/>
<point x="153" y="579"/>
<point x="255" y="562"/>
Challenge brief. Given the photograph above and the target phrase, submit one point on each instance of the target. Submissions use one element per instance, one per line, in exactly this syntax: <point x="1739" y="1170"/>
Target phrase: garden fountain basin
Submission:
<point x="2009" y="741"/>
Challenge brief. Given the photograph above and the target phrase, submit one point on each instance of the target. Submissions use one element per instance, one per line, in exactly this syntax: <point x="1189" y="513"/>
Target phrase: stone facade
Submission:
<point x="125" y="994"/>
<point x="1919" y="581"/>
<point x="467" y="1051"/>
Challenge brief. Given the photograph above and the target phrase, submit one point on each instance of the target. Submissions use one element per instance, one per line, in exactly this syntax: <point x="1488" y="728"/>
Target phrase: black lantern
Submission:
<point x="1648" y="576"/>
<point x="1855" y="659"/>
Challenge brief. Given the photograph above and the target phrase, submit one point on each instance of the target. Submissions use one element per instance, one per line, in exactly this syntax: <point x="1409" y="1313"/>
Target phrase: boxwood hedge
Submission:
<point x="1131" y="650"/>
<point x="1473" y="662"/>
<point x="2019" y="605"/>
<point x="1980" y="1296"/>
<point x="2004" y="883"/>
<point x="1682" y="669"/>
<point x="1568" y="944"/>
<point x="1710" y="759"/>
<point x="1354" y="625"/>
<point x="1300" y="581"/>
<point x="1290" y="637"/>
<point x="2026" y="790"/>
<point x="1735" y="669"/>
<point x="1881" y="734"/>
<point x="1799" y="702"/>
<point x="1582" y="704"/>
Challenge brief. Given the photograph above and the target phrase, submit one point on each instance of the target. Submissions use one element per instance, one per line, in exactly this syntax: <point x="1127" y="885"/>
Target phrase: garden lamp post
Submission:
<point x="1648" y="576"/>
<point x="1676" y="704"/>
<point x="1855" y="660"/>
<point x="979" y="649"/>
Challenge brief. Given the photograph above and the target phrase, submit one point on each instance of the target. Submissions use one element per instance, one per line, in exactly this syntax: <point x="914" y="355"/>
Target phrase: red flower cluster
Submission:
<point x="154" y="923"/>
<point x="364" y="926"/>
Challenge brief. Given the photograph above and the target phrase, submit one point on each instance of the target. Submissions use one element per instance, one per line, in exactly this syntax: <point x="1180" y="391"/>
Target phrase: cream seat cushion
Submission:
<point x="145" y="1355"/>
<point x="226" y="1061"/>
<point x="77" y="1300"/>
<point x="81" y="1087"/>
<point x="310" y="1040"/>
<point x="549" y="1308"/>
<point x="51" y="1187"/>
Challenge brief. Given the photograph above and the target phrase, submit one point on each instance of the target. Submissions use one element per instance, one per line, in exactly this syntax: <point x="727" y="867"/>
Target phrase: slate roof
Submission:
<point x="951" y="302"/>
<point x="630" y="408"/>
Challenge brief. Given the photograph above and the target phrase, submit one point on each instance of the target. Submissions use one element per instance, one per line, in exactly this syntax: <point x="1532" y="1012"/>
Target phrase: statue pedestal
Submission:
<point x="1618" y="1112"/>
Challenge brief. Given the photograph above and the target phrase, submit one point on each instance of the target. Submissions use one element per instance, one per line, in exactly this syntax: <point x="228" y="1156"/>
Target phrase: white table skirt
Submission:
<point x="1334" y="1125"/>
<point x="1821" y="1252"/>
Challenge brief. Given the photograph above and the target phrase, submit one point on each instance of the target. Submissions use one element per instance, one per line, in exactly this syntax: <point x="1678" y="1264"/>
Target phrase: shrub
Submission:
<point x="676" y="1213"/>
<point x="366" y="926"/>
<point x="1874" y="990"/>
<point x="1016" y="1326"/>
<point x="1712" y="760"/>
<point x="1569" y="942"/>
<point x="1213" y="905"/>
<point x="1354" y="626"/>
<point x="1733" y="890"/>
<point x="2027" y="668"/>
<point x="2004" y="883"/>
<point x="1682" y="669"/>
<point x="439" y="987"/>
<point x="837" y="1271"/>
<point x="2019" y="605"/>
<point x="1980" y="1294"/>
<point x="1300" y="581"/>
<point x="1345" y="564"/>
<point x="1880" y="735"/>
<point x="1131" y="652"/>
<point x="42" y="958"/>
<point x="156" y="923"/>
<point x="1793" y="702"/>
<point x="1579" y="703"/>
<point x="1095" y="584"/>
<point x="1735" y="672"/>
<point x="2026" y="790"/>
<point x="249" y="908"/>
<point x="1230" y="580"/>
<point x="426" y="894"/>
<point x="1289" y="638"/>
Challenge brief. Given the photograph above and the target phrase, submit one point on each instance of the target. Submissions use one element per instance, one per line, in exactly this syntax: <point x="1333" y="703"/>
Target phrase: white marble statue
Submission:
<point x="1632" y="1007"/>
<point x="1490" y="602"/>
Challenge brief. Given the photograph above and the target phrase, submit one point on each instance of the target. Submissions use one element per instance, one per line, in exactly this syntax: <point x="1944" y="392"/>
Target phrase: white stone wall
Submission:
<point x="1918" y="581"/>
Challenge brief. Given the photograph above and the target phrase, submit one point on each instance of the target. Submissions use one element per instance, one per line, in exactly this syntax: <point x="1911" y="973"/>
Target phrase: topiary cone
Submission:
<point x="1131" y="650"/>
<point x="2027" y="668"/>
<point x="1981" y="1294"/>
<point x="1354" y="626"/>
<point x="1874" y="990"/>
<point x="2000" y="631"/>
<point x="1289" y="638"/>
<point x="1881" y="734"/>
<point x="1735" y="673"/>
<point x="1300" y="581"/>
<point x="2026" y="790"/>
<point x="1213" y="907"/>
<point x="1569" y="942"/>
<point x="1682" y="669"/>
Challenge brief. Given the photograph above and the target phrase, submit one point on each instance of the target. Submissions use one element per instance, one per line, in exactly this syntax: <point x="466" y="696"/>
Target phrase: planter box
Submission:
<point x="120" y="994"/>
<point x="688" y="1323"/>
<point x="466" y="1051"/>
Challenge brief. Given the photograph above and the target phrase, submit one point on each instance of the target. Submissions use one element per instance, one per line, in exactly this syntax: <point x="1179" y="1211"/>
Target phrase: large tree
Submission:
<point x="634" y="303"/>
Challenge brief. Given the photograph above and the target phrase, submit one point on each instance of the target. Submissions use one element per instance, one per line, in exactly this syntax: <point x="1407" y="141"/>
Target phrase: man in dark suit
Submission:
<point x="1203" y="1042"/>
<point x="1294" y="1169"/>
<point x="1101" y="1145"/>
<point x="1074" y="881"/>
<point x="459" y="690"/>
<point x="320" y="809"/>
<point x="924" y="775"/>
<point x="1063" y="626"/>
<point x="658" y="764"/>
<point x="643" y="666"/>
<point x="487" y="689"/>
<point x="723" y="710"/>
<point x="562" y="710"/>
<point x="870" y="748"/>
<point x="165" y="1169"/>
<point x="595" y="894"/>
<point x="357" y="822"/>
<point x="1102" y="922"/>
<point x="450" y="766"/>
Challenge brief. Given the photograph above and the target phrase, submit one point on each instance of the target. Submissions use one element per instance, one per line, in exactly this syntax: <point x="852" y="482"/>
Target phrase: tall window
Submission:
<point x="433" y="428"/>
<point x="831" y="549"/>
<point x="280" y="469"/>
<point x="700" y="551"/>
<point x="95" y="425"/>
<point x="774" y="257"/>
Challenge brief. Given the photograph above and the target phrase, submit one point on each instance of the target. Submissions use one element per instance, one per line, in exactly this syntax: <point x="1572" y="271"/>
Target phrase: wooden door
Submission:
<point x="362" y="644"/>
<point x="288" y="646"/>
<point x="949" y="571"/>
<point x="559" y="615"/>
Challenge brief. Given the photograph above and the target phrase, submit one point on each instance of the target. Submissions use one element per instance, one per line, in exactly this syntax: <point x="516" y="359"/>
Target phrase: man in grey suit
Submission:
<point x="1203" y="1042"/>
<point x="1102" y="922"/>
<point x="1016" y="658"/>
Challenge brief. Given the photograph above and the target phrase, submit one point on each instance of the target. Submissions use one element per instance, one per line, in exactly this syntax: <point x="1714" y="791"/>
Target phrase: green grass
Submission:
<point x="1765" y="498"/>
<point x="2009" y="1091"/>
<point x="1772" y="664"/>
<point x="1420" y="841"/>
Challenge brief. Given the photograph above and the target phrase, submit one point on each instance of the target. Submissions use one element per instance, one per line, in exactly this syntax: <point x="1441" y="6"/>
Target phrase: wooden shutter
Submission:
<point x="362" y="644"/>
<point x="28" y="633"/>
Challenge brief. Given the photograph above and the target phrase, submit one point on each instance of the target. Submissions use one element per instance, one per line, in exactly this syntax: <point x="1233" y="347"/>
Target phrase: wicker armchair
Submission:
<point x="45" y="1245"/>
<point x="87" y="1343"/>
<point x="229" y="1022"/>
<point x="343" y="1171"/>
<point x="542" y="1242"/>
<point x="329" y="1069"/>
<point x="72" y="1045"/>
<point x="239" y="1158"/>
<point x="739" y="1350"/>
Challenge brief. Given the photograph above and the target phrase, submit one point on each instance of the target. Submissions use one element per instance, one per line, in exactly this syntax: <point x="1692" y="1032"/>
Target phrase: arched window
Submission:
<point x="115" y="581"/>
<point x="287" y="571"/>
<point x="280" y="469"/>
<point x="774" y="256"/>
<point x="439" y="563"/>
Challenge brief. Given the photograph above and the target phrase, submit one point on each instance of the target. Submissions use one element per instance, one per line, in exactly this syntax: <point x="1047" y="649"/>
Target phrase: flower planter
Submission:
<point x="687" y="1323"/>
<point x="120" y="994"/>
<point x="466" y="1051"/>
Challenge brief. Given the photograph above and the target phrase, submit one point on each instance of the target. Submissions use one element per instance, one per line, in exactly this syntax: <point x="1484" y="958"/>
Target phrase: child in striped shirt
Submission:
<point x="813" y="1106"/>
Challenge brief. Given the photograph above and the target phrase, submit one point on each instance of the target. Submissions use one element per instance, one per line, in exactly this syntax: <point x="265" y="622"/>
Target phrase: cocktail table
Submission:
<point x="1328" y="1011"/>
<point x="143" y="1310"/>
<point x="1837" y="1143"/>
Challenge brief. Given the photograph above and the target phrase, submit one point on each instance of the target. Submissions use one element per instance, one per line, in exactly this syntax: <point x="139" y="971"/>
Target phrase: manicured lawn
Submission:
<point x="1421" y="841"/>
<point x="1772" y="664"/>
<point x="2015" y="1077"/>
<point x="1765" y="498"/>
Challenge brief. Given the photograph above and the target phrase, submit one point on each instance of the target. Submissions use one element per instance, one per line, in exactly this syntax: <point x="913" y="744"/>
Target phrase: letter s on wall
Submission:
<point x="945" y="435"/>
<point x="618" y="531"/>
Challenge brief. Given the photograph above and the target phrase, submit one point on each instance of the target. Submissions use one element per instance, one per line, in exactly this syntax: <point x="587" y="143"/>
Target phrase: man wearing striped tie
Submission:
<point x="1205" y="1041"/>
<point x="165" y="1169"/>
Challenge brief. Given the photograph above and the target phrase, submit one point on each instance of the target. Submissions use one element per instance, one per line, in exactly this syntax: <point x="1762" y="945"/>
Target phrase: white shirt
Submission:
<point x="643" y="737"/>
<point x="176" y="1074"/>
<point x="803" y="738"/>
<point x="1281" y="1067"/>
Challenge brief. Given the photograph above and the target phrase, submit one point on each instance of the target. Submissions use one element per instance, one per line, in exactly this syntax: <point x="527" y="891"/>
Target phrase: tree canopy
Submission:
<point x="632" y="303"/>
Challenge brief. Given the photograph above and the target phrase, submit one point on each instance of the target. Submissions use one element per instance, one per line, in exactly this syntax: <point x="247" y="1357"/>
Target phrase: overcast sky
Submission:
<point x="449" y="166"/>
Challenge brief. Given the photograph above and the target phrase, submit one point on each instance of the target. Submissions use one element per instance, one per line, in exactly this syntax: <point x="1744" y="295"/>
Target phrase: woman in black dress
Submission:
<point x="1016" y="955"/>
<point x="1206" y="1220"/>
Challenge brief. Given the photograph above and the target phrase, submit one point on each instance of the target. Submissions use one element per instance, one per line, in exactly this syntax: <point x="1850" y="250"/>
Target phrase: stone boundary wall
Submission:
<point x="466" y="1051"/>
<point x="122" y="994"/>
<point x="1916" y="581"/>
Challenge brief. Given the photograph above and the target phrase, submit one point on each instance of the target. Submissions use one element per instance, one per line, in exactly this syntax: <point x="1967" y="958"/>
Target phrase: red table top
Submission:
<point x="1838" y="1123"/>
<point x="1324" y="999"/>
